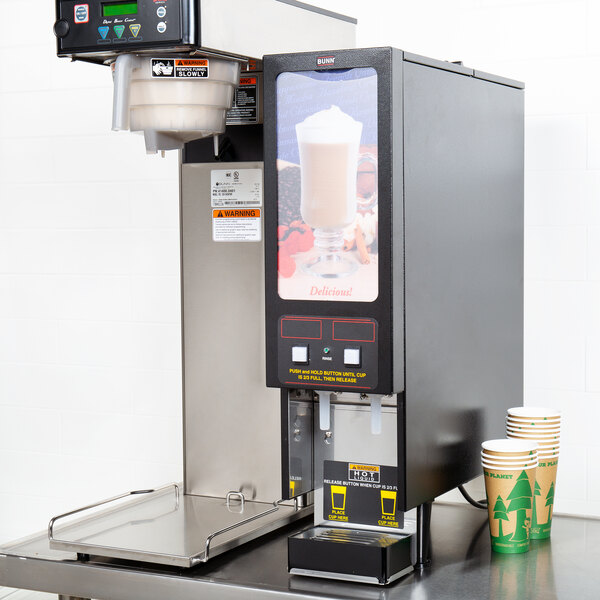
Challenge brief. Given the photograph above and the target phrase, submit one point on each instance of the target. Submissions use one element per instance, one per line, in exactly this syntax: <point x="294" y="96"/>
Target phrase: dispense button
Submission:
<point x="352" y="357"/>
<point x="300" y="355"/>
<point x="135" y="29"/>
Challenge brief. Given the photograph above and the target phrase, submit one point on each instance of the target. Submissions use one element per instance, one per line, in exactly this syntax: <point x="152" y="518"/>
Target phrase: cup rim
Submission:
<point x="509" y="445"/>
<point x="531" y="436"/>
<point x="515" y="465"/>
<point x="510" y="460"/>
<point x="539" y="420"/>
<point x="496" y="468"/>
<point x="522" y="458"/>
<point x="525" y="454"/>
<point x="510" y="455"/>
<point x="534" y="412"/>
<point x="528" y="425"/>
<point x="547" y="447"/>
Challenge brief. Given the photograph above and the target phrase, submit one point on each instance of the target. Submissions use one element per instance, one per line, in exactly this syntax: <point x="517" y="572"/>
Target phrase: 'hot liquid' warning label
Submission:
<point x="362" y="494"/>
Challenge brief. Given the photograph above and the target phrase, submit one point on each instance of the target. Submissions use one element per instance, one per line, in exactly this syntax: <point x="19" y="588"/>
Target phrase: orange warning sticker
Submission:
<point x="246" y="213"/>
<point x="247" y="80"/>
<point x="192" y="62"/>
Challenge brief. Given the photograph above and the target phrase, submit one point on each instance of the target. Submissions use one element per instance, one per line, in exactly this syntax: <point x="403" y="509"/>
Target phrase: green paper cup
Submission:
<point x="509" y="493"/>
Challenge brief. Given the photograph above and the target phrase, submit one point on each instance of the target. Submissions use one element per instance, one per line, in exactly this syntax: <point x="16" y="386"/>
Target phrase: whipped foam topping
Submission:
<point x="332" y="117"/>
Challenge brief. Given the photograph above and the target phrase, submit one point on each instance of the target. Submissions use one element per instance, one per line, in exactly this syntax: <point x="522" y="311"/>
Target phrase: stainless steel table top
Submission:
<point x="565" y="567"/>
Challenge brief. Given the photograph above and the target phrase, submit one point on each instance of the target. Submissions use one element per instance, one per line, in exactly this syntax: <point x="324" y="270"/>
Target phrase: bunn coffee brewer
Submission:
<point x="188" y="75"/>
<point x="394" y="291"/>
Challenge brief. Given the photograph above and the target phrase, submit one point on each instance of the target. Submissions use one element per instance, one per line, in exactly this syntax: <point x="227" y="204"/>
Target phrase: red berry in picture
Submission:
<point x="292" y="242"/>
<point x="285" y="264"/>
<point x="307" y="240"/>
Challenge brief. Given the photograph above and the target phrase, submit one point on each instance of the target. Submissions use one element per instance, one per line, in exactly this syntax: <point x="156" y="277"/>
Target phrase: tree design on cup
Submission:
<point x="550" y="501"/>
<point x="520" y="500"/>
<point x="536" y="492"/>
<point x="328" y="144"/>
<point x="500" y="514"/>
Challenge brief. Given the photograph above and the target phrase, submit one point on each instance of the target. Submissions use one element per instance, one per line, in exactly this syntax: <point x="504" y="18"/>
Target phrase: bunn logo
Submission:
<point x="325" y="61"/>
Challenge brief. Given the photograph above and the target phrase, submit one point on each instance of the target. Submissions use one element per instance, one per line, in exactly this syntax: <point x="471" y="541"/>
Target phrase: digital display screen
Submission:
<point x="113" y="9"/>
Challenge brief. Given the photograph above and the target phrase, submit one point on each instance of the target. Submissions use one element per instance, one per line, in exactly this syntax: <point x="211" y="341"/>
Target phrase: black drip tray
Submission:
<point x="350" y="554"/>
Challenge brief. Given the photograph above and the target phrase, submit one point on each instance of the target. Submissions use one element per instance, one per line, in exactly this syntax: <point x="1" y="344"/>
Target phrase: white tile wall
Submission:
<point x="89" y="309"/>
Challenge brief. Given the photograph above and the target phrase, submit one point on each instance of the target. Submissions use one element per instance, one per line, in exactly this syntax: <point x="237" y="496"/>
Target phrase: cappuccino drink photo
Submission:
<point x="328" y="142"/>
<point x="328" y="229"/>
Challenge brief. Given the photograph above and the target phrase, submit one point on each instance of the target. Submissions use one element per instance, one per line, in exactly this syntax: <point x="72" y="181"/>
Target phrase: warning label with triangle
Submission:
<point x="237" y="225"/>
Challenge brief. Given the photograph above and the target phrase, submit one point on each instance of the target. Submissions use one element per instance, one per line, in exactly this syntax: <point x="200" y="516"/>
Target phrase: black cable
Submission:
<point x="476" y="503"/>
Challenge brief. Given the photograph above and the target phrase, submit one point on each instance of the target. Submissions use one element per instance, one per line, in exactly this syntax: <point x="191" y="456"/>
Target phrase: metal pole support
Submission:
<point x="423" y="536"/>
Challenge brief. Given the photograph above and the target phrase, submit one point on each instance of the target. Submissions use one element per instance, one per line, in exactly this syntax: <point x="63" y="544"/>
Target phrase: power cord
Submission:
<point x="476" y="503"/>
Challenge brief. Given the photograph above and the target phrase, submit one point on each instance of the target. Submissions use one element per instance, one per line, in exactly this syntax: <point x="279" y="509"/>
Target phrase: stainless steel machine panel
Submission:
<point x="232" y="420"/>
<point x="254" y="29"/>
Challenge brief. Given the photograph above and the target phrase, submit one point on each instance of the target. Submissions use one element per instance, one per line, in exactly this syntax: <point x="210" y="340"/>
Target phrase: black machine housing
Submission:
<point x="448" y="319"/>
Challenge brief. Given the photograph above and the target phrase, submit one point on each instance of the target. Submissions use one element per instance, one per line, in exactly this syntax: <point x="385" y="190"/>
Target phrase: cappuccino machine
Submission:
<point x="351" y="282"/>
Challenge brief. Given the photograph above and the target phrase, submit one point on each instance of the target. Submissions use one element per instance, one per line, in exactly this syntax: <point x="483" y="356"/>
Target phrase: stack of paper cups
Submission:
<point x="540" y="425"/>
<point x="509" y="468"/>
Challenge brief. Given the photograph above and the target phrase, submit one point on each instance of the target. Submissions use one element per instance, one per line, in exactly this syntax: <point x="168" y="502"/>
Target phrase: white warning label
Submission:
<point x="236" y="187"/>
<point x="237" y="225"/>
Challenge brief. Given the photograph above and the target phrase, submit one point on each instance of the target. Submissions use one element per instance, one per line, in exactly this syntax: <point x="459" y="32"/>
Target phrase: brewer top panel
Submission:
<point x="98" y="30"/>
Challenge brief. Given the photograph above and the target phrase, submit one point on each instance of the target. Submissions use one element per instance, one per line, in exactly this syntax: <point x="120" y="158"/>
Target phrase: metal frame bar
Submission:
<point x="108" y="501"/>
<point x="195" y="559"/>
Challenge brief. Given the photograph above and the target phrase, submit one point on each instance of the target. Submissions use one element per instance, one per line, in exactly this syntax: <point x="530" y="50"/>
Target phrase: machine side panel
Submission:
<point x="397" y="163"/>
<point x="463" y="180"/>
<point x="232" y="421"/>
